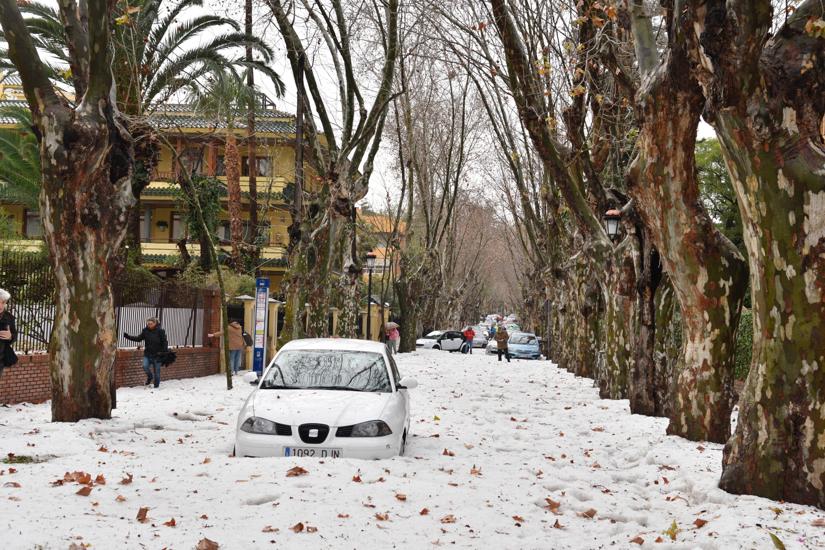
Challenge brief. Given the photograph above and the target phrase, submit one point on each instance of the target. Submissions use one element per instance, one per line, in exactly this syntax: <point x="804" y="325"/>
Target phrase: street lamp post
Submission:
<point x="370" y="266"/>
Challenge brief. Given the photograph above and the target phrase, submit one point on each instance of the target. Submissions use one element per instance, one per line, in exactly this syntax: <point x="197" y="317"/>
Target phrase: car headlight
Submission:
<point x="258" y="425"/>
<point x="373" y="428"/>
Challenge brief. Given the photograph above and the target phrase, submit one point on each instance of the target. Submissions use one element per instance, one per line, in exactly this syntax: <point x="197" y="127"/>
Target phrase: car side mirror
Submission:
<point x="251" y="377"/>
<point x="407" y="383"/>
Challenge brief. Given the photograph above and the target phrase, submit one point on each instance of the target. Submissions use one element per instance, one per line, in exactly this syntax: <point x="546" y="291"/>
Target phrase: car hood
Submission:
<point x="331" y="407"/>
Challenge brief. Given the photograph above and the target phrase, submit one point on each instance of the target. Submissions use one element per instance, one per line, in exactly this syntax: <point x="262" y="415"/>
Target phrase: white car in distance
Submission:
<point x="326" y="398"/>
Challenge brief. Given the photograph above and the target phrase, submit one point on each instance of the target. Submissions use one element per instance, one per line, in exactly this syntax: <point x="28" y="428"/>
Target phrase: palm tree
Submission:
<point x="19" y="159"/>
<point x="226" y="98"/>
<point x="158" y="52"/>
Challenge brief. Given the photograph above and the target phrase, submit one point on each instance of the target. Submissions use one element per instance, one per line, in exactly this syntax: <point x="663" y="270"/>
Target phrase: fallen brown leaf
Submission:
<point x="296" y="471"/>
<point x="637" y="540"/>
<point x="552" y="505"/>
<point x="699" y="523"/>
<point x="423" y="512"/>
<point x="311" y="529"/>
<point x="343" y="516"/>
<point x="270" y="529"/>
<point x="590" y="513"/>
<point x="100" y="480"/>
<point x="401" y="496"/>
<point x="141" y="515"/>
<point x="448" y="452"/>
<point x="170" y="523"/>
<point x="120" y="498"/>
<point x="449" y="518"/>
<point x="659" y="539"/>
<point x="382" y="517"/>
<point x="356" y="478"/>
<point x="558" y="525"/>
<point x="127" y="480"/>
<point x="297" y="528"/>
<point x="204" y="516"/>
<point x="84" y="491"/>
<point x="518" y="519"/>
<point x="206" y="544"/>
<point x="12" y="484"/>
<point x="819" y="522"/>
<point x="598" y="429"/>
<point x="206" y="460"/>
<point x="475" y="471"/>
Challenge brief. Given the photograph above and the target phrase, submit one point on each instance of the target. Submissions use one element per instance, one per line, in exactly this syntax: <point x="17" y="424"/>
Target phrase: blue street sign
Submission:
<point x="261" y="318"/>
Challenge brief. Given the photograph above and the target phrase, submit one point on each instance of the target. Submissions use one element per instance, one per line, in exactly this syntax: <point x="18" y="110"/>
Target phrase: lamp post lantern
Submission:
<point x="370" y="267"/>
<point x="611" y="222"/>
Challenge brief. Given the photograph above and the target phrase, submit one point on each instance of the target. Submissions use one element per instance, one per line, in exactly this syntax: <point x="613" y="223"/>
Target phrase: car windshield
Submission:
<point x="433" y="335"/>
<point x="522" y="339"/>
<point x="328" y="369"/>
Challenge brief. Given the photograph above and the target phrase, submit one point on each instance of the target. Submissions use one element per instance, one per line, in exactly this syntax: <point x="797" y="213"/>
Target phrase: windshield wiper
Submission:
<point x="341" y="388"/>
<point x="277" y="387"/>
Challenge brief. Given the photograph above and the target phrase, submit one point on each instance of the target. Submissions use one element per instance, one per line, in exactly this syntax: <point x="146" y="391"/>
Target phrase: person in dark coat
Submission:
<point x="502" y="338"/>
<point x="8" y="332"/>
<point x="154" y="343"/>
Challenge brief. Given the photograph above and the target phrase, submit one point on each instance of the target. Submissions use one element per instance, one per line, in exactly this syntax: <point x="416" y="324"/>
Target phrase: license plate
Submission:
<point x="312" y="452"/>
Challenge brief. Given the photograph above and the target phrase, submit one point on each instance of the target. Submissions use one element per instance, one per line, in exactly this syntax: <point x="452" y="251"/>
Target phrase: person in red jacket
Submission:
<point x="469" y="335"/>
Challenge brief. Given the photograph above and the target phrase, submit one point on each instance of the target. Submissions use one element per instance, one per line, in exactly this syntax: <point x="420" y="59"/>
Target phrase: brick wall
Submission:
<point x="28" y="381"/>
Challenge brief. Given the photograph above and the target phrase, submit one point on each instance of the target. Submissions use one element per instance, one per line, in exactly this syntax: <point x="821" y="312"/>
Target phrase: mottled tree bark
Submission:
<point x="642" y="389"/>
<point x="766" y="100"/>
<point x="707" y="272"/>
<point x="668" y="345"/>
<point x="86" y="157"/>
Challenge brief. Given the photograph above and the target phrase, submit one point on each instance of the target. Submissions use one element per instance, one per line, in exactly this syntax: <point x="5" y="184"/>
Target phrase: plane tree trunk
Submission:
<point x="708" y="274"/>
<point x="767" y="103"/>
<point x="86" y="156"/>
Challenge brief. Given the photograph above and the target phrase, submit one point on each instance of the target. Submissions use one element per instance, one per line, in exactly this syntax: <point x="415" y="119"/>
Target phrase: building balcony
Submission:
<point x="159" y="254"/>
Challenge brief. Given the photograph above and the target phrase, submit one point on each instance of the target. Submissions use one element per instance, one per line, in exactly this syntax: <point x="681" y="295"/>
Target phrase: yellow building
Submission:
<point x="199" y="142"/>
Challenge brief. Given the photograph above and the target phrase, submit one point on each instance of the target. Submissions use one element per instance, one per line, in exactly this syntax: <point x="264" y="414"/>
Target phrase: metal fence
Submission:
<point x="30" y="280"/>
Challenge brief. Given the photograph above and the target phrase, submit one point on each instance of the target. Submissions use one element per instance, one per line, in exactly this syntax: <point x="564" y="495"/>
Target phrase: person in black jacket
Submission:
<point x="8" y="332"/>
<point x="154" y="339"/>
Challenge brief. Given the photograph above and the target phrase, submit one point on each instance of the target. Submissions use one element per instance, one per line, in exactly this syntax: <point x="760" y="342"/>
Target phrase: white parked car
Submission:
<point x="430" y="341"/>
<point x="492" y="347"/>
<point x="449" y="340"/>
<point x="326" y="398"/>
<point x="481" y="336"/>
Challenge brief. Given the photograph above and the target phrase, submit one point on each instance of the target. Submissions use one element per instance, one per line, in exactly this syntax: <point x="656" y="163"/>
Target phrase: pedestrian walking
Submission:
<point x="237" y="343"/>
<point x="8" y="332"/>
<point x="154" y="346"/>
<point x="469" y="336"/>
<point x="501" y="343"/>
<point x="393" y="337"/>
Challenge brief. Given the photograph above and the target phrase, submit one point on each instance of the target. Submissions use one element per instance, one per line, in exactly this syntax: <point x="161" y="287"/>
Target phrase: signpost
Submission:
<point x="261" y="319"/>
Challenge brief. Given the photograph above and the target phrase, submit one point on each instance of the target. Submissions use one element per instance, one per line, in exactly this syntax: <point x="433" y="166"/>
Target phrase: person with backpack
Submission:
<point x="237" y="343"/>
<point x="469" y="335"/>
<point x="155" y="347"/>
<point x="501" y="343"/>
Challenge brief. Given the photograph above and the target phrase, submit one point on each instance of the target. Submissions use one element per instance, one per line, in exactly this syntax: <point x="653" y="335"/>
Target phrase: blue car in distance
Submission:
<point x="524" y="345"/>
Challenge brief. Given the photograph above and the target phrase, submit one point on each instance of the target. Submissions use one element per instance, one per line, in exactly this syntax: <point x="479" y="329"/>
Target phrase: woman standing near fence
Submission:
<point x="8" y="332"/>
<point x="155" y="344"/>
<point x="236" y="344"/>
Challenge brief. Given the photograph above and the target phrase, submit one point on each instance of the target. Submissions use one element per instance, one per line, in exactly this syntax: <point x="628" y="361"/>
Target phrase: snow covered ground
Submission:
<point x="507" y="456"/>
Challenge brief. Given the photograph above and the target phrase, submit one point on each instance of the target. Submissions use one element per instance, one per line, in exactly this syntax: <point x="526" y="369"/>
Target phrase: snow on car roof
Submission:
<point x="343" y="344"/>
